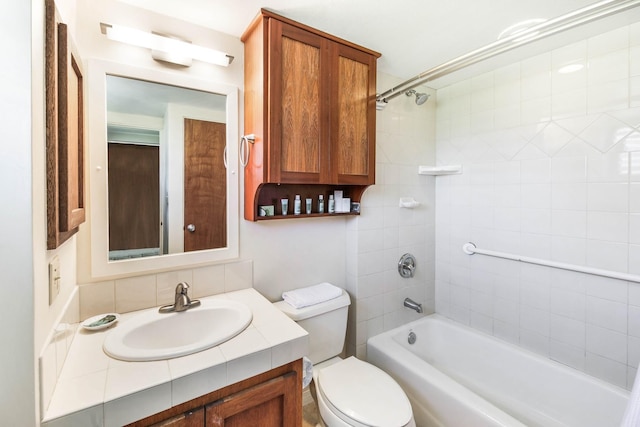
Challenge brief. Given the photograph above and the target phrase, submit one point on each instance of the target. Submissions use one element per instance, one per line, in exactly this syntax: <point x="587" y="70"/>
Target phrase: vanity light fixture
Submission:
<point x="165" y="48"/>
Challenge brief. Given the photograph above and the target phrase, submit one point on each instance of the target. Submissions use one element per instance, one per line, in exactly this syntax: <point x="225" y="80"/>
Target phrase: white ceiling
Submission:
<point x="411" y="35"/>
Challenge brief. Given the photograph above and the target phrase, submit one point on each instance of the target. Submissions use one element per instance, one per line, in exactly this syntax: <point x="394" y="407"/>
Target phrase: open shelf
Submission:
<point x="271" y="194"/>
<point x="440" y="170"/>
<point x="312" y="215"/>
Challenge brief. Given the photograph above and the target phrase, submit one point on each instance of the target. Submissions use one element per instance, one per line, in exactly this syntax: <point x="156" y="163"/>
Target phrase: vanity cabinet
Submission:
<point x="273" y="398"/>
<point x="310" y="104"/>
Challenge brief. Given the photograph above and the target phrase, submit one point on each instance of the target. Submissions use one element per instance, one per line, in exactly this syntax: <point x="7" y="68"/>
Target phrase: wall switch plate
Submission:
<point x="54" y="279"/>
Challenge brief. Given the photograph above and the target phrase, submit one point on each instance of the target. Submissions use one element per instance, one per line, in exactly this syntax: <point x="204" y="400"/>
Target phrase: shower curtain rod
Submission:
<point x="553" y="26"/>
<point x="470" y="249"/>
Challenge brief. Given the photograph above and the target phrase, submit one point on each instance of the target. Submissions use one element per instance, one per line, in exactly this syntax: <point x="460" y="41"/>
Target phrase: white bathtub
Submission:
<point x="458" y="377"/>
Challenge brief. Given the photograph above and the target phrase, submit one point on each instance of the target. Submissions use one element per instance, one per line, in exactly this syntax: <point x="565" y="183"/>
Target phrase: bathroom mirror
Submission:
<point x="162" y="170"/>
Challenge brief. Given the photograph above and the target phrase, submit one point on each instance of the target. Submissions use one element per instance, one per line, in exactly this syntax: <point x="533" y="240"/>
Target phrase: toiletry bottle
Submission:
<point x="285" y="206"/>
<point x="321" y="204"/>
<point x="296" y="205"/>
<point x="308" y="205"/>
<point x="332" y="204"/>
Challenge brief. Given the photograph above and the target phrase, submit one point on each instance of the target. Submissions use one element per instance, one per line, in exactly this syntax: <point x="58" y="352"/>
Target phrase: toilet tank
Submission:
<point x="326" y="324"/>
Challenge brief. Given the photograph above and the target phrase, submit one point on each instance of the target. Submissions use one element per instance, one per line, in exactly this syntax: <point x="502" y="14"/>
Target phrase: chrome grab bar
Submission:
<point x="470" y="249"/>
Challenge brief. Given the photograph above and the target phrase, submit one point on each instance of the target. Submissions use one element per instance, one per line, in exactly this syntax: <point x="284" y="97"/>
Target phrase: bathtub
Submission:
<point x="455" y="376"/>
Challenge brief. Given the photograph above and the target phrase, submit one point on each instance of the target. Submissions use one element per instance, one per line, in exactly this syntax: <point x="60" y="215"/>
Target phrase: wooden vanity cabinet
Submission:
<point x="310" y="102"/>
<point x="270" y="399"/>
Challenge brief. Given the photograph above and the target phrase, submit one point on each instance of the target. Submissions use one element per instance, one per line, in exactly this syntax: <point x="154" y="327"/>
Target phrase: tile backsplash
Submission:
<point x="551" y="170"/>
<point x="140" y="292"/>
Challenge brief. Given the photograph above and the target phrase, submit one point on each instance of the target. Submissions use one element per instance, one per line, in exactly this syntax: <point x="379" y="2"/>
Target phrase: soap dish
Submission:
<point x="409" y="202"/>
<point x="101" y="321"/>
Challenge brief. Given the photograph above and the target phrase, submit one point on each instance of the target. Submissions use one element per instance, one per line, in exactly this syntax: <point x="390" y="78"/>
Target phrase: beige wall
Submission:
<point x="278" y="255"/>
<point x="274" y="247"/>
<point x="18" y="394"/>
<point x="45" y="316"/>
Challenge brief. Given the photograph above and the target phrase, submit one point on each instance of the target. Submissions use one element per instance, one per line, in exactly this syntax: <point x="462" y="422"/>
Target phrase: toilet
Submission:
<point x="348" y="392"/>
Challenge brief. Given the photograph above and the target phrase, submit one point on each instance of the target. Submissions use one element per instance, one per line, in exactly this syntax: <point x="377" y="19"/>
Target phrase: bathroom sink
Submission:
<point x="158" y="336"/>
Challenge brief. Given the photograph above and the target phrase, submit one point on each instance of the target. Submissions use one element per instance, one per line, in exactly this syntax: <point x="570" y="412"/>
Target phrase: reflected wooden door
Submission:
<point x="134" y="196"/>
<point x="205" y="185"/>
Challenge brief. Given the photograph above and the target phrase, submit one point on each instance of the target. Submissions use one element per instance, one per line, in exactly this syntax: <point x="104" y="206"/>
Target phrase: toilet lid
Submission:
<point x="365" y="393"/>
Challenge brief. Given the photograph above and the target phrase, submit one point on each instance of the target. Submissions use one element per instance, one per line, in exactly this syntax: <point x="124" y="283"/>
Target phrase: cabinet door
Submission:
<point x="298" y="70"/>
<point x="353" y="116"/>
<point x="274" y="403"/>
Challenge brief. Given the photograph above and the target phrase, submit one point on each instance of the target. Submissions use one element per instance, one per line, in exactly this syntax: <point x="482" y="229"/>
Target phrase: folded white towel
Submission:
<point x="311" y="295"/>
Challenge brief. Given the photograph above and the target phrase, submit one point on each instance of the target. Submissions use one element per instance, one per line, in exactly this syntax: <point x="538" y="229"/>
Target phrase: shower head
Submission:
<point x="421" y="98"/>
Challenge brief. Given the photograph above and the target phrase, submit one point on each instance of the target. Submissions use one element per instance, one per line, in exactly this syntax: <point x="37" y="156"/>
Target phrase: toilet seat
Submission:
<point x="363" y="395"/>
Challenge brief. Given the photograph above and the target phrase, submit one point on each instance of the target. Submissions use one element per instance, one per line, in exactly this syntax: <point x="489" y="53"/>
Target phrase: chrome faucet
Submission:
<point x="182" y="300"/>
<point x="409" y="303"/>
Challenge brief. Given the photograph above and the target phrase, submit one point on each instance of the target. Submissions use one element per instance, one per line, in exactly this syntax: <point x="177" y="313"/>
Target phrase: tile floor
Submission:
<point x="310" y="416"/>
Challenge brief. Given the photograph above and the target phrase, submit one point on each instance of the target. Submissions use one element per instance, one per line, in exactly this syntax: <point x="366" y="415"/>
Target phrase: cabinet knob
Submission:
<point x="191" y="228"/>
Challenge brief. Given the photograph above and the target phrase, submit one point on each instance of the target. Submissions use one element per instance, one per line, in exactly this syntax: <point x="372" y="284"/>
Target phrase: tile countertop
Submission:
<point x="96" y="390"/>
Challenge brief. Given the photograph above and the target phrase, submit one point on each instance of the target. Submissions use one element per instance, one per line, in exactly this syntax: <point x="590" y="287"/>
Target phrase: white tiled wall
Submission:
<point x="551" y="169"/>
<point x="54" y="354"/>
<point x="384" y="231"/>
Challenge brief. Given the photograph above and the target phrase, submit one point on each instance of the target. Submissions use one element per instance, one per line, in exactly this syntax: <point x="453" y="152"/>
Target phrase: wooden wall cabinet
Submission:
<point x="270" y="399"/>
<point x="310" y="102"/>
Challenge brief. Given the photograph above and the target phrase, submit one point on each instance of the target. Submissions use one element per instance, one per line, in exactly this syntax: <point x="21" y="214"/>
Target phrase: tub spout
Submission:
<point x="409" y="303"/>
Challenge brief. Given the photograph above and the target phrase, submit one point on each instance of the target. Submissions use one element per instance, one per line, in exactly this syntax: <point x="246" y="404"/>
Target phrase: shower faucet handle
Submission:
<point x="407" y="266"/>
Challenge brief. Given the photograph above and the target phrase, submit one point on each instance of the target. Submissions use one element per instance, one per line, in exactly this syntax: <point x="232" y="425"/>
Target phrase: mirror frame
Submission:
<point x="98" y="209"/>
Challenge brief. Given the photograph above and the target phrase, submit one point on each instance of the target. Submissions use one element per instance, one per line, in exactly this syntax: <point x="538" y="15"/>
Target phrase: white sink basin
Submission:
<point x="158" y="336"/>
